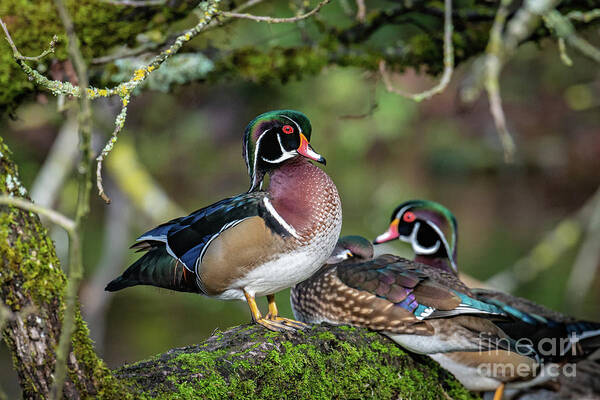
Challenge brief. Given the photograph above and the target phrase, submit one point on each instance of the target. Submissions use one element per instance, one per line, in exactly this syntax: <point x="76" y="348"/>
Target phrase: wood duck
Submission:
<point x="424" y="309"/>
<point x="256" y="243"/>
<point x="431" y="230"/>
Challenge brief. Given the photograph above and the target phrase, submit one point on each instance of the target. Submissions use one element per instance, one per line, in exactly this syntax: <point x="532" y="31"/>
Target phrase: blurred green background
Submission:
<point x="189" y="142"/>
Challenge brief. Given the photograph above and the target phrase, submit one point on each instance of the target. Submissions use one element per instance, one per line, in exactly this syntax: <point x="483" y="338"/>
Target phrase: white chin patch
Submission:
<point x="285" y="156"/>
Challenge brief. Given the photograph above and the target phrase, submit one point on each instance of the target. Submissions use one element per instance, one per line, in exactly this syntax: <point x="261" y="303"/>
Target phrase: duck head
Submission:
<point x="273" y="138"/>
<point x="429" y="228"/>
<point x="356" y="248"/>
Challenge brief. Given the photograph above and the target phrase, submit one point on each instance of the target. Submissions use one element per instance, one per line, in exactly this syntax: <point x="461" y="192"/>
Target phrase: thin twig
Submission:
<point x="492" y="86"/>
<point x="126" y="53"/>
<point x="120" y="121"/>
<point x="125" y="89"/>
<point x="562" y="50"/>
<point x="83" y="204"/>
<point x="134" y="3"/>
<point x="565" y="30"/>
<point x="493" y="66"/>
<point x="584" y="16"/>
<point x="18" y="55"/>
<point x="147" y="47"/>
<point x="272" y="20"/>
<point x="361" y="11"/>
<point x="448" y="63"/>
<point x="53" y="216"/>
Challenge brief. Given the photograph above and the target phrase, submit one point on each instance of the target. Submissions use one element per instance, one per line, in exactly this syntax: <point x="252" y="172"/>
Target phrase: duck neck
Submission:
<point x="442" y="263"/>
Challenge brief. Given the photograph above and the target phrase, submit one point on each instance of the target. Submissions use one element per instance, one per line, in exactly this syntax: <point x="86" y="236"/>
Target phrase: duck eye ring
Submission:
<point x="409" y="217"/>
<point x="287" y="129"/>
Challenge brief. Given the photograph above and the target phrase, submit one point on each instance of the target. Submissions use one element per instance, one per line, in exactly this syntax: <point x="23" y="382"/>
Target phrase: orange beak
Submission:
<point x="307" y="151"/>
<point x="390" y="234"/>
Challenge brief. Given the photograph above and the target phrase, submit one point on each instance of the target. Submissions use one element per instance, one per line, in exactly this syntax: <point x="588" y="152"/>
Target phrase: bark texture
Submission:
<point x="32" y="286"/>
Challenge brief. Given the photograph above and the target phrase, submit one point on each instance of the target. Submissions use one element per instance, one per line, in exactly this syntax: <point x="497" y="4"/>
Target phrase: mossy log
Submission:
<point x="320" y="362"/>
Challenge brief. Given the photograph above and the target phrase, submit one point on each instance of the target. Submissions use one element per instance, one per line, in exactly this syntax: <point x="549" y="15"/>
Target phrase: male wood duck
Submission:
<point x="256" y="243"/>
<point x="431" y="230"/>
<point x="424" y="309"/>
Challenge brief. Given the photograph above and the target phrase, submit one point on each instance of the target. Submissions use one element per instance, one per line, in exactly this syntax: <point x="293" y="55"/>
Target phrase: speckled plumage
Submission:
<point x="424" y="309"/>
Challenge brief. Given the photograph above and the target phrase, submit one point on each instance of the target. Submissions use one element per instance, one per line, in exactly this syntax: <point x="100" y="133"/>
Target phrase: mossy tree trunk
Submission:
<point x="32" y="287"/>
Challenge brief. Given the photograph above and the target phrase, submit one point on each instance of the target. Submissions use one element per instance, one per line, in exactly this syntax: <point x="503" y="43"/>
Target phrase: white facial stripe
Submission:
<point x="284" y="154"/>
<point x="256" y="154"/>
<point x="295" y="123"/>
<point x="446" y="245"/>
<point x="417" y="248"/>
<point x="402" y="211"/>
<point x="290" y="229"/>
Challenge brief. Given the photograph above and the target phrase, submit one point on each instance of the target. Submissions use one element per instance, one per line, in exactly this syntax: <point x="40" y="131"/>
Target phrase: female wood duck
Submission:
<point x="426" y="310"/>
<point x="256" y="243"/>
<point x="431" y="230"/>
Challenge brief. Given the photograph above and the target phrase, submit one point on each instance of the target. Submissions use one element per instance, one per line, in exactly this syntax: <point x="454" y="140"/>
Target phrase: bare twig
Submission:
<point x="562" y="49"/>
<point x="83" y="206"/>
<point x="272" y="20"/>
<point x="448" y="63"/>
<point x="565" y="30"/>
<point x="53" y="216"/>
<point x="361" y="11"/>
<point x="148" y="47"/>
<point x="584" y="16"/>
<point x="493" y="66"/>
<point x="134" y="3"/>
<point x="18" y="55"/>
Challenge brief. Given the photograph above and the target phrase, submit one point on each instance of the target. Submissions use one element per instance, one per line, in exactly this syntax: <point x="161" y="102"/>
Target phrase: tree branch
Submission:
<point x="83" y="204"/>
<point x="448" y="63"/>
<point x="17" y="55"/>
<point x="272" y="20"/>
<point x="322" y="361"/>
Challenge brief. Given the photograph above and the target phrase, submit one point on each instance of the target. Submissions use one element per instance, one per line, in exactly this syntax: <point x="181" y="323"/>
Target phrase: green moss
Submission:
<point x="31" y="273"/>
<point x="99" y="27"/>
<point x="351" y="365"/>
<point x="326" y="336"/>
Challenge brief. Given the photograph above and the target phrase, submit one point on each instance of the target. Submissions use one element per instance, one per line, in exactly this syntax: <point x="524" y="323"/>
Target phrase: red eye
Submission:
<point x="409" y="216"/>
<point x="287" y="129"/>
